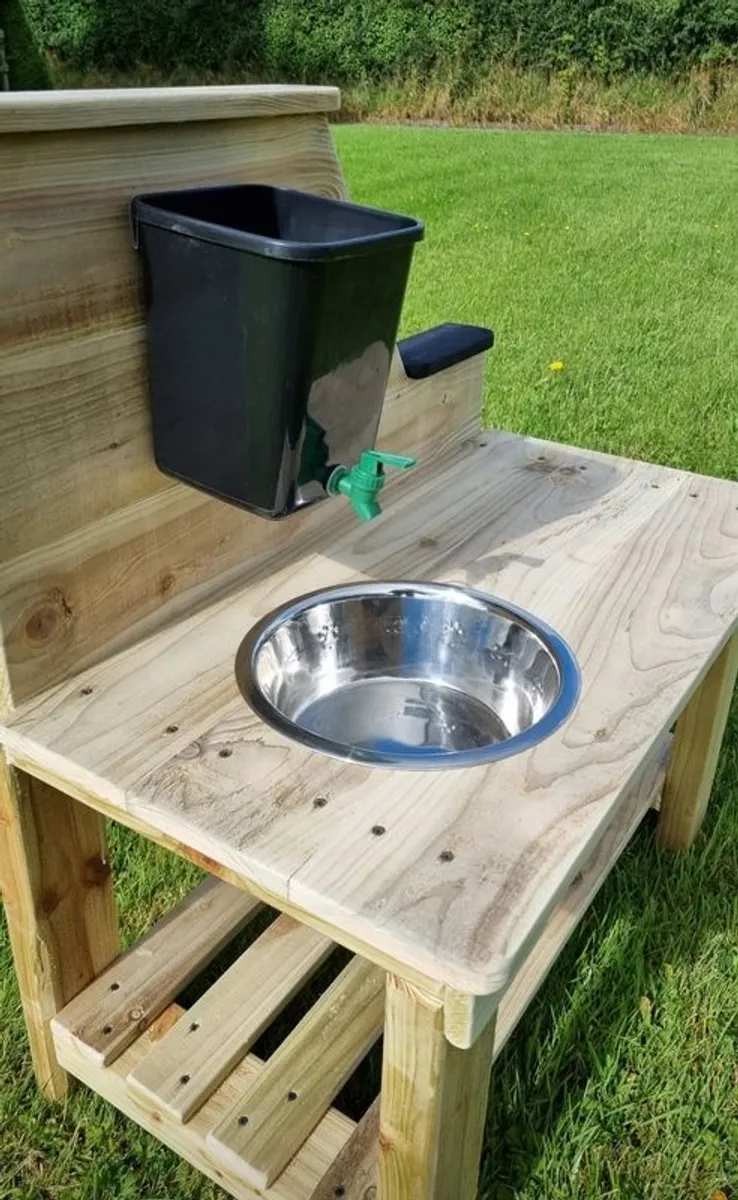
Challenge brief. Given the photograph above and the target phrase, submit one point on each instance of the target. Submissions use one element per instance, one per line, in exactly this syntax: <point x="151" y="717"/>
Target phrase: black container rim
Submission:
<point x="150" y="210"/>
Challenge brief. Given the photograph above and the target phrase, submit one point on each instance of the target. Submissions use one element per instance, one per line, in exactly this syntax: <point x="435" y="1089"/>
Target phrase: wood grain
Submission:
<point x="433" y="1102"/>
<point x="86" y="520"/>
<point x="34" y="112"/>
<point x="354" y="1172"/>
<point x="271" y="1120"/>
<point x="298" y="1180"/>
<point x="636" y="566"/>
<point x="113" y="580"/>
<point x="699" y="736"/>
<point x="203" y="1048"/>
<point x="59" y="906"/>
<point x="126" y="998"/>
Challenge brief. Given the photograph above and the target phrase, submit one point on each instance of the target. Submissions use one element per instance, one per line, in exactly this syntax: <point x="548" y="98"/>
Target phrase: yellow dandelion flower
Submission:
<point x="556" y="365"/>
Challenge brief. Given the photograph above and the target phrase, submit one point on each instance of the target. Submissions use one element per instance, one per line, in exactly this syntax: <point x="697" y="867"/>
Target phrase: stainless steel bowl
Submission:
<point x="415" y="675"/>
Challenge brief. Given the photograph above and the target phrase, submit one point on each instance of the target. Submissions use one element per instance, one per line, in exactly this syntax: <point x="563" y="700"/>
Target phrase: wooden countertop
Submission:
<point x="636" y="565"/>
<point x="89" y="108"/>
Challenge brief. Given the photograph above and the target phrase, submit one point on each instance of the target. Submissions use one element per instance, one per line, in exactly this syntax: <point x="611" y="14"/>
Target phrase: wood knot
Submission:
<point x="50" y="900"/>
<point x="49" y="619"/>
<point x="97" y="871"/>
<point x="166" y="583"/>
<point x="428" y="543"/>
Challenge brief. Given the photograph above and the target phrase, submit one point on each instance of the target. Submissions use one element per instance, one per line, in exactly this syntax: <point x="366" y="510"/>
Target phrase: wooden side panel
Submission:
<point x="65" y="605"/>
<point x="97" y="547"/>
<point x="697" y="742"/>
<point x="59" y="905"/>
<point x="125" y="999"/>
<point x="204" y="1047"/>
<point x="269" y="1123"/>
<point x="87" y="547"/>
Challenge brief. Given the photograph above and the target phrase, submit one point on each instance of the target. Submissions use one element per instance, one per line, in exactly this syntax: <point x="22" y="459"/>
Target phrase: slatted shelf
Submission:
<point x="109" y="1014"/>
<point x="271" y="1119"/>
<point x="215" y="1034"/>
<point x="189" y="1076"/>
<point x="183" y="1073"/>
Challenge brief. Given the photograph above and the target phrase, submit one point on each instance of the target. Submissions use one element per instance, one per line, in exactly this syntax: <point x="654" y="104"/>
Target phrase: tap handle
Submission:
<point x="374" y="461"/>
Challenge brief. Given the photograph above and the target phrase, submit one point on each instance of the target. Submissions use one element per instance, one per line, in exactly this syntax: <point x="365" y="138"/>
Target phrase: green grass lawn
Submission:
<point x="615" y="255"/>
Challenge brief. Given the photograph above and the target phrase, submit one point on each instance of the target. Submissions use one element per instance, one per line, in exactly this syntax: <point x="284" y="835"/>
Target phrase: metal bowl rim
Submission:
<point x="562" y="654"/>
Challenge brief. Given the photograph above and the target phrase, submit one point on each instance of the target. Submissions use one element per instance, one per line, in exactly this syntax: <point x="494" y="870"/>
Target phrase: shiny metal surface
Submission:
<point x="415" y="675"/>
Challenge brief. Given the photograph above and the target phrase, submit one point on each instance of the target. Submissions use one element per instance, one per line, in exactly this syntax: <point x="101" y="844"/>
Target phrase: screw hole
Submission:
<point x="107" y="1028"/>
<point x="654" y="485"/>
<point x="194" y="1026"/>
<point x="582" y="467"/>
<point x="225" y="753"/>
<point x="292" y="1095"/>
<point x="114" y="987"/>
<point x="183" y="1079"/>
<point x="85" y="691"/>
<point x="243" y="1120"/>
<point x="541" y="457"/>
<point x="320" y="801"/>
<point x="693" y="495"/>
<point x="446" y="856"/>
<point x="172" y="728"/>
<point x="340" y="1190"/>
<point x="378" y="830"/>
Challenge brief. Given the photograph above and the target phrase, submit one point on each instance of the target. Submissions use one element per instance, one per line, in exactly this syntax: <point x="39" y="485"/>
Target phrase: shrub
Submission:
<point x="26" y="62"/>
<point x="346" y="41"/>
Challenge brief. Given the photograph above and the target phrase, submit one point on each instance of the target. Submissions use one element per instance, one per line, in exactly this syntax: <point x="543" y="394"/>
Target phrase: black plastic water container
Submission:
<point x="272" y="315"/>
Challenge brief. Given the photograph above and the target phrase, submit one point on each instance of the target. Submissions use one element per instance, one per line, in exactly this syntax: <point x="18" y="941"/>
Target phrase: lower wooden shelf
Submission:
<point x="189" y="1076"/>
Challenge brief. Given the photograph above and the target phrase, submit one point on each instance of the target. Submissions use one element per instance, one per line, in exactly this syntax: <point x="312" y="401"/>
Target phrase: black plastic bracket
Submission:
<point x="433" y="350"/>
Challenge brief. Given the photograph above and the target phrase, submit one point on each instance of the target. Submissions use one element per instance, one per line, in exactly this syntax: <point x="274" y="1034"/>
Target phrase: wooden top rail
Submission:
<point x="96" y="108"/>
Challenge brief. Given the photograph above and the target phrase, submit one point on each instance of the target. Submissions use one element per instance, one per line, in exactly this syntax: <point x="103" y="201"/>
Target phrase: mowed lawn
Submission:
<point x="616" y="256"/>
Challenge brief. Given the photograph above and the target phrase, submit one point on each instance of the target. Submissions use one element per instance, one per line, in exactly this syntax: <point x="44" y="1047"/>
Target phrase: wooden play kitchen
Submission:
<point x="125" y="596"/>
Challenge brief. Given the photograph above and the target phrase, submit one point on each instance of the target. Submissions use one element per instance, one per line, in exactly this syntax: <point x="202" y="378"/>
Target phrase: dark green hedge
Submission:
<point x="27" y="65"/>
<point x="349" y="40"/>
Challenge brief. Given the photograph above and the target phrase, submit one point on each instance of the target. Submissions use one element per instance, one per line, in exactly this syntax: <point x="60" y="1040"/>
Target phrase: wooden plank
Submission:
<point x="597" y="547"/>
<point x="433" y="1102"/>
<point x="467" y="1016"/>
<point x="59" y="904"/>
<point x="271" y="1120"/>
<point x="353" y="1173"/>
<point x="694" y="760"/>
<point x="92" y="536"/>
<point x="297" y="1181"/>
<point x="69" y="263"/>
<point x="126" y="998"/>
<point x="134" y="569"/>
<point x="211" y="1039"/>
<point x="87" y="108"/>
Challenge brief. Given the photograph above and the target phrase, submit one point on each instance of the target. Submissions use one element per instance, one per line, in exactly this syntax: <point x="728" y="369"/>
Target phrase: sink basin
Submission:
<point x="415" y="675"/>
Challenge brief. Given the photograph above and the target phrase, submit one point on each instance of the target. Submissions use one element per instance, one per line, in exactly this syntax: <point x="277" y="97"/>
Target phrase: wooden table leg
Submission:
<point x="56" y="883"/>
<point x="433" y="1102"/>
<point x="694" y="755"/>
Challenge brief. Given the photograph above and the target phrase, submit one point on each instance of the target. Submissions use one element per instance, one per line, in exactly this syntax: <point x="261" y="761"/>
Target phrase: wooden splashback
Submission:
<point x="96" y="546"/>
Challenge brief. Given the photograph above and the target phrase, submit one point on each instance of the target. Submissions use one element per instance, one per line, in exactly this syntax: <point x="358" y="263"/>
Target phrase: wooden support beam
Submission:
<point x="433" y="1101"/>
<point x="695" y="753"/>
<point x="216" y="1033"/>
<point x="59" y="904"/>
<point x="125" y="999"/>
<point x="269" y="1123"/>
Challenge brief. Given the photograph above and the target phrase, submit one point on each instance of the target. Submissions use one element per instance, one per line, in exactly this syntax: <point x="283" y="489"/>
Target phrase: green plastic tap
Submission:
<point x="363" y="482"/>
